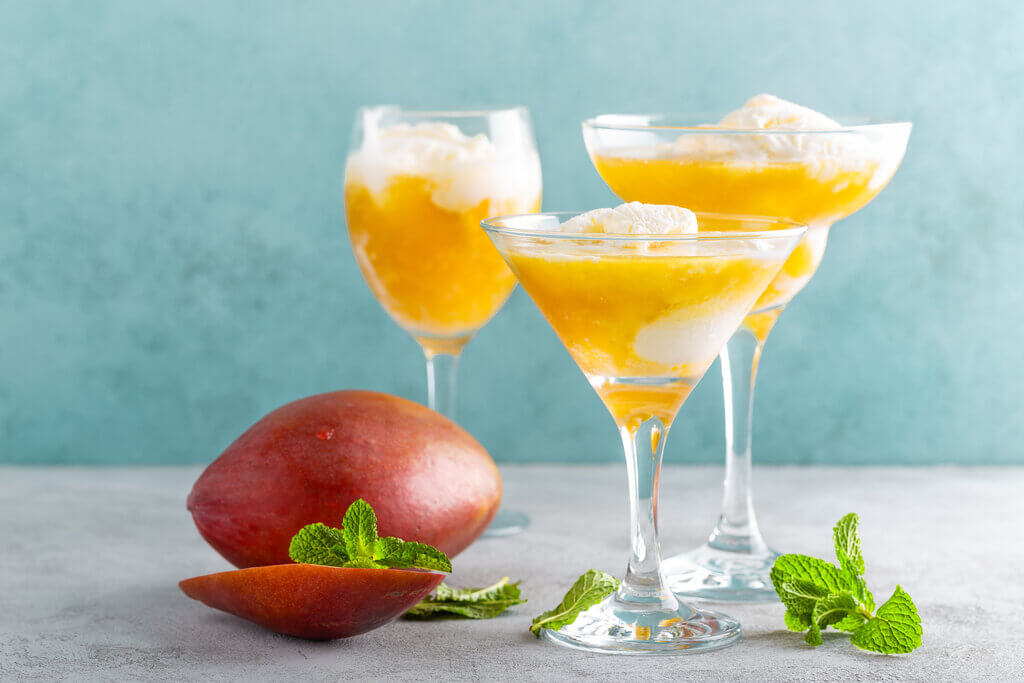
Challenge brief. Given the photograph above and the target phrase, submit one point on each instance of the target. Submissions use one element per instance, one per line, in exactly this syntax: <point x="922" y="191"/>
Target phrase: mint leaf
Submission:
<point x="800" y="599"/>
<point x="800" y="581"/>
<point x="860" y="589"/>
<point x="867" y="604"/>
<point x="851" y="563"/>
<point x="419" y="555"/>
<point x="895" y="629"/>
<point x="356" y="545"/>
<point x="811" y="570"/>
<point x="851" y="622"/>
<point x="503" y="588"/>
<point x="360" y="530"/>
<point x="834" y="608"/>
<point x="471" y="603"/>
<point x="796" y="623"/>
<point x="826" y="578"/>
<point x="847" y="542"/>
<point x="588" y="590"/>
<point x="817" y="594"/>
<point x="386" y="546"/>
<point x="318" y="544"/>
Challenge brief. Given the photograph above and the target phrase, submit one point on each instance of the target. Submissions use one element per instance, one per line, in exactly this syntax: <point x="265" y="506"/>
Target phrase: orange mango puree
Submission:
<point x="643" y="316"/>
<point x="433" y="270"/>
<point x="814" y="193"/>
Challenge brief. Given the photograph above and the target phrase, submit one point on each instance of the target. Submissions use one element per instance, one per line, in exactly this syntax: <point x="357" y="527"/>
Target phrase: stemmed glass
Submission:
<point x="644" y="317"/>
<point x="417" y="185"/>
<point x="812" y="176"/>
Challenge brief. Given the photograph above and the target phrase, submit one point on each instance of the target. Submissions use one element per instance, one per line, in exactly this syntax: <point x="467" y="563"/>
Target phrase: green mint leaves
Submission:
<point x="469" y="603"/>
<point x="818" y="594"/>
<point x="588" y="590"/>
<point x="359" y="529"/>
<point x="847" y="542"/>
<point x="356" y="545"/>
<point x="318" y="544"/>
<point x="895" y="628"/>
<point x="409" y="555"/>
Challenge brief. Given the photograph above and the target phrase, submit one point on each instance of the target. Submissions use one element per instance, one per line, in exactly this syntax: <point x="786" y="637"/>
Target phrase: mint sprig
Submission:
<point x="469" y="603"/>
<point x="588" y="590"/>
<point x="818" y="594"/>
<point x="318" y="544"/>
<point x="356" y="545"/>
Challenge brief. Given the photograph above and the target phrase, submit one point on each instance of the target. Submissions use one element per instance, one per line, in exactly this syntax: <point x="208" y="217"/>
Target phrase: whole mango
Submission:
<point x="427" y="479"/>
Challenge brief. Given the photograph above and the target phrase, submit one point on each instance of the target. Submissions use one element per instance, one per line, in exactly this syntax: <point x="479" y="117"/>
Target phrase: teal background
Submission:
<point x="174" y="264"/>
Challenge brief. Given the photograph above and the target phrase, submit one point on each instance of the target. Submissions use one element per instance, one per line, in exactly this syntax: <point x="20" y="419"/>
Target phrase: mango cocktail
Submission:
<point x="813" y="179"/>
<point x="643" y="318"/>
<point x="414" y="206"/>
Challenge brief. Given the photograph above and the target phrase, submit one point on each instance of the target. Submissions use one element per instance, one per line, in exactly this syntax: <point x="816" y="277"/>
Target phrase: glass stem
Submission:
<point x="644" y="586"/>
<point x="441" y="371"/>
<point x="737" y="530"/>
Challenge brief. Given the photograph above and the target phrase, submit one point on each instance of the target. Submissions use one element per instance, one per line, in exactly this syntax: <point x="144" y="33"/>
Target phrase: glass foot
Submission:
<point x="507" y="523"/>
<point x="722" y="575"/>
<point x="611" y="627"/>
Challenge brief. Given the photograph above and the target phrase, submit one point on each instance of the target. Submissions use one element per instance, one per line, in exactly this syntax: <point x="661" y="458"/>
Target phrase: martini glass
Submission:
<point x="812" y="176"/>
<point x="644" y="317"/>
<point x="417" y="185"/>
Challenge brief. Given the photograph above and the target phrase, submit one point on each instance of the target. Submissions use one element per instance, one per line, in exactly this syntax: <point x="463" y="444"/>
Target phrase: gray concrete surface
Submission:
<point x="90" y="559"/>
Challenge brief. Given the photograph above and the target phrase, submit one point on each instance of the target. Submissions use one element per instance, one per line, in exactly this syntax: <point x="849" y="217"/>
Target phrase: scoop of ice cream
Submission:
<point x="771" y="113"/>
<point x="426" y="145"/>
<point x="462" y="170"/>
<point x="634" y="218"/>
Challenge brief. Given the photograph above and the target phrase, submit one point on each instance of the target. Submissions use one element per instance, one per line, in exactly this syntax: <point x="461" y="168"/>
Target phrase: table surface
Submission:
<point x="91" y="559"/>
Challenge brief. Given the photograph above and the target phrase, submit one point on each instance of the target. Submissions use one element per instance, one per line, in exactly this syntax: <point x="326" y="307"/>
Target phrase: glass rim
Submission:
<point x="622" y="122"/>
<point x="794" y="229"/>
<point x="444" y="113"/>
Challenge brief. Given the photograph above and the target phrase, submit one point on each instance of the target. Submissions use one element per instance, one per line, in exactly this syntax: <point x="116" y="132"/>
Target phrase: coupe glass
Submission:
<point x="644" y="317"/>
<point x="417" y="185"/>
<point x="814" y="177"/>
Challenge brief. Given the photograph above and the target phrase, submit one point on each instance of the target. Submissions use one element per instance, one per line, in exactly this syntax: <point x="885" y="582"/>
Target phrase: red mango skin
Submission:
<point x="311" y="601"/>
<point x="427" y="479"/>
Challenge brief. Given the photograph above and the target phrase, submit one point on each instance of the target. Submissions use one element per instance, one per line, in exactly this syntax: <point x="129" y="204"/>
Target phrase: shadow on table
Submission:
<point x="782" y="639"/>
<point x="833" y="643"/>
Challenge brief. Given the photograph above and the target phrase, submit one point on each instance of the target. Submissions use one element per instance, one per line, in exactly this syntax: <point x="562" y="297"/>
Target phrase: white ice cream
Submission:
<point x="678" y="338"/>
<point x="462" y="170"/>
<point x="634" y="218"/>
<point x="675" y="338"/>
<point x="770" y="113"/>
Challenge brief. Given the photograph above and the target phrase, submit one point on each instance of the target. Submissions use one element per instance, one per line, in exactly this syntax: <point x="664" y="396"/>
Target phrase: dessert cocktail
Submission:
<point x="643" y="297"/>
<point x="769" y="158"/>
<point x="417" y="185"/>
